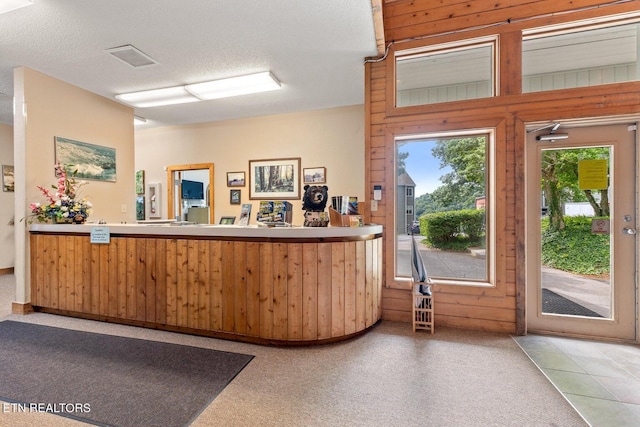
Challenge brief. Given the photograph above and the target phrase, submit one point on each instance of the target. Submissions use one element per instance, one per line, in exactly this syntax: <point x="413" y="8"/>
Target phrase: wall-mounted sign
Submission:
<point x="592" y="174"/>
<point x="600" y="226"/>
<point x="100" y="235"/>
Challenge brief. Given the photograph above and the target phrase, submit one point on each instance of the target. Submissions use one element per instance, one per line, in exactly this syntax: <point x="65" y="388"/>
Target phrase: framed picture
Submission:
<point x="235" y="179"/>
<point x="275" y="179"/>
<point x="91" y="161"/>
<point x="139" y="182"/>
<point x="140" y="208"/>
<point x="314" y="175"/>
<point x="227" y="220"/>
<point x="234" y="197"/>
<point x="8" y="183"/>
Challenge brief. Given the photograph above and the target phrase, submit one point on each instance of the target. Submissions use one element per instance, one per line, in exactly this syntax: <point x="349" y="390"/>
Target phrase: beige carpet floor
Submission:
<point x="390" y="376"/>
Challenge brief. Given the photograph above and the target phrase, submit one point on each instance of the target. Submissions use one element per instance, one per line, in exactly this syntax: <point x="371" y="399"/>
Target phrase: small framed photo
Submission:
<point x="235" y="179"/>
<point x="140" y="208"/>
<point x="7" y="178"/>
<point x="234" y="197"/>
<point x="317" y="175"/>
<point x="227" y="220"/>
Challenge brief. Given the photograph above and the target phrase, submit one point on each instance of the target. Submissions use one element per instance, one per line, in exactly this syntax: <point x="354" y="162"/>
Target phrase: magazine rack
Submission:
<point x="422" y="308"/>
<point x="339" y="220"/>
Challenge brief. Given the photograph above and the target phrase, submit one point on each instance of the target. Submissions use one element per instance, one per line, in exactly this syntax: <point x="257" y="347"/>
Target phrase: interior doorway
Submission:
<point x="190" y="190"/>
<point x="581" y="230"/>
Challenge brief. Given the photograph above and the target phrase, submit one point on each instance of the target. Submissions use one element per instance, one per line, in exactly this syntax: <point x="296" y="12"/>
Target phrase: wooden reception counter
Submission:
<point x="289" y="285"/>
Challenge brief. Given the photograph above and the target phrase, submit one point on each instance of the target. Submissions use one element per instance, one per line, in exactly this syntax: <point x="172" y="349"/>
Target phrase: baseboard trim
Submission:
<point x="19" y="308"/>
<point x="8" y="270"/>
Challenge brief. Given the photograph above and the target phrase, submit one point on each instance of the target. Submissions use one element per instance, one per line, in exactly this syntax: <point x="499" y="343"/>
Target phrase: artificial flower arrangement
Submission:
<point x="64" y="205"/>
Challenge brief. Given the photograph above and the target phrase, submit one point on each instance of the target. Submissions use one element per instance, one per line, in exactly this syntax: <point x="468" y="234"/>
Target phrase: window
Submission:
<point x="409" y="191"/>
<point x="580" y="57"/>
<point x="451" y="172"/>
<point x="445" y="73"/>
<point x="409" y="210"/>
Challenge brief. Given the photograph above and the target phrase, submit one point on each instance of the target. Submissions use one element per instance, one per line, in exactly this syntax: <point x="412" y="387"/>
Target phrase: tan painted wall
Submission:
<point x="331" y="138"/>
<point x="56" y="108"/>
<point x="6" y="201"/>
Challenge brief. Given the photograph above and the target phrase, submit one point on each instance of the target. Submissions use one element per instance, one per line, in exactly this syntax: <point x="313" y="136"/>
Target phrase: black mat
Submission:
<point x="108" y="380"/>
<point x="557" y="304"/>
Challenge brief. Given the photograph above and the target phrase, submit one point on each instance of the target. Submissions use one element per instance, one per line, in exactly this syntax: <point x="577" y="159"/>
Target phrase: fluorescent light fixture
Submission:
<point x="137" y="120"/>
<point x="157" y="97"/>
<point x="223" y="88"/>
<point x="552" y="137"/>
<point x="9" y="5"/>
<point x="234" y="86"/>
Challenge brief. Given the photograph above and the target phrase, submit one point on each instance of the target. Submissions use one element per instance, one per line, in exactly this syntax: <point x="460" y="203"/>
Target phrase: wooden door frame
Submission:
<point x="575" y="124"/>
<point x="181" y="168"/>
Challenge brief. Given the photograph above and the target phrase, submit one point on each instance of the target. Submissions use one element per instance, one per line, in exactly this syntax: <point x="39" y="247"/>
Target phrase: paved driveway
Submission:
<point x="440" y="263"/>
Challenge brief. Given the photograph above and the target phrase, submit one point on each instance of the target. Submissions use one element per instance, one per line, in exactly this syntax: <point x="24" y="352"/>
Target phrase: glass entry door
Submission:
<point x="581" y="232"/>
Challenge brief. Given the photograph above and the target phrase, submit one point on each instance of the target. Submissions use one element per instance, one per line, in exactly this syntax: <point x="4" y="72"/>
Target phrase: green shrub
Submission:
<point x="575" y="249"/>
<point x="453" y="230"/>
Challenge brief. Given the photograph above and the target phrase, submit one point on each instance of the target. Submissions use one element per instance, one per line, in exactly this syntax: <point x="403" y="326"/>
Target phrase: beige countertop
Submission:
<point x="202" y="230"/>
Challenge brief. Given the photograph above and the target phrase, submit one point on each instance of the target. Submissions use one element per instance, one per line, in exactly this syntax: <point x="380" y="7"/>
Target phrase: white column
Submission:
<point x="21" y="269"/>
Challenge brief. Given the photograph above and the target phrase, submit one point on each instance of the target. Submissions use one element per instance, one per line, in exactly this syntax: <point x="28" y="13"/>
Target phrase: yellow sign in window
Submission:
<point x="592" y="174"/>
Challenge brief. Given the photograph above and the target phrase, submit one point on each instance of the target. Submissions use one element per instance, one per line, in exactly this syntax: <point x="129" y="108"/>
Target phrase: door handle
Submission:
<point x="628" y="230"/>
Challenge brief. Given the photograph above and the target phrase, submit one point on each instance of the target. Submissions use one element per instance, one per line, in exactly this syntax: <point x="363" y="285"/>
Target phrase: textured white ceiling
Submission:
<point x="315" y="48"/>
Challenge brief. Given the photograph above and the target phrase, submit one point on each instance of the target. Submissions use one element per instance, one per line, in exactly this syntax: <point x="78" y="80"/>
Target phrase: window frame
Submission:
<point x="490" y="208"/>
<point x="409" y="192"/>
<point x="454" y="46"/>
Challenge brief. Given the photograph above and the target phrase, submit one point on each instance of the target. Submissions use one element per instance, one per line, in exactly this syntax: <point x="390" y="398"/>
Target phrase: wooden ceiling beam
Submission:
<point x="378" y="25"/>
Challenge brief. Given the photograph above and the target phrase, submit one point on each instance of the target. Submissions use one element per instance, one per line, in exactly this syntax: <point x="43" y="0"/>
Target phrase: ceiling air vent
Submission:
<point x="131" y="56"/>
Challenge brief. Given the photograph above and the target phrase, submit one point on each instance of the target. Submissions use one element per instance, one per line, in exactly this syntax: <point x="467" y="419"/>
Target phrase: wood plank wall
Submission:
<point x="269" y="290"/>
<point x="414" y="23"/>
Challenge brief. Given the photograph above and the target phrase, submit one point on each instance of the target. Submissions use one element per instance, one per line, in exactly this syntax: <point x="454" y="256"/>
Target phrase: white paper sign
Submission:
<point x="100" y="235"/>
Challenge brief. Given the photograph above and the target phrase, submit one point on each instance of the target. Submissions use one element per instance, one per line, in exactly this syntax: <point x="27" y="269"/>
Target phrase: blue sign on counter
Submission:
<point x="100" y="235"/>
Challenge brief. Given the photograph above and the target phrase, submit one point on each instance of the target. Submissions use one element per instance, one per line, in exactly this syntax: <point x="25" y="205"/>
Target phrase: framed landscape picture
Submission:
<point x="274" y="179"/>
<point x="235" y="179"/>
<point x="91" y="161"/>
<point x="140" y="182"/>
<point x="314" y="175"/>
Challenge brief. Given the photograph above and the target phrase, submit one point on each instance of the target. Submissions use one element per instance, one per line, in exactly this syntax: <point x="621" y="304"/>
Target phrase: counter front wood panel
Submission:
<point x="273" y="291"/>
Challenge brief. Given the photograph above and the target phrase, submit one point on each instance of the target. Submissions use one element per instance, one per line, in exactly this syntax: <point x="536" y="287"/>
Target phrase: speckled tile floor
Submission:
<point x="600" y="379"/>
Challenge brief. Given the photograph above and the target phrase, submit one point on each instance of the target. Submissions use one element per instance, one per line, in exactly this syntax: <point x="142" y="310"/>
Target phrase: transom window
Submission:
<point x="445" y="73"/>
<point x="580" y="57"/>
